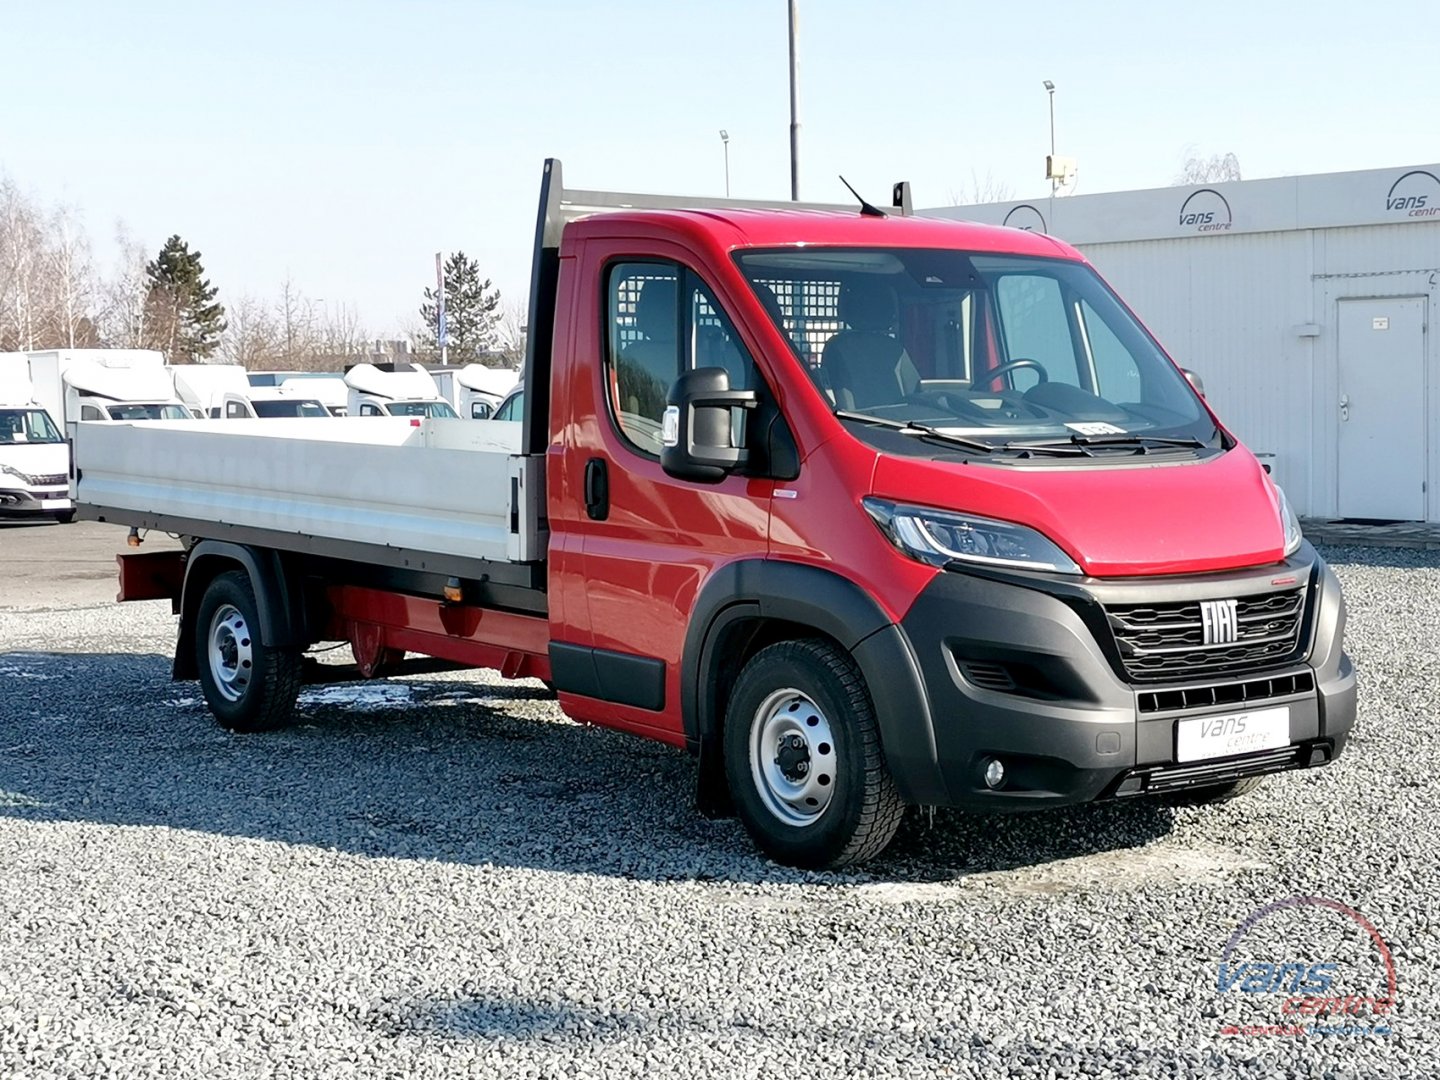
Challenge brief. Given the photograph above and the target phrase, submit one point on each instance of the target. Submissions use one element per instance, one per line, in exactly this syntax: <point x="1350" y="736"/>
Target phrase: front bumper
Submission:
<point x="33" y="502"/>
<point x="1026" y="669"/>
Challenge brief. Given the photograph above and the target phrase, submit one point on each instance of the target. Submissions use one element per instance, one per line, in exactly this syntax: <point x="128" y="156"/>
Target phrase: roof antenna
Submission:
<point x="865" y="208"/>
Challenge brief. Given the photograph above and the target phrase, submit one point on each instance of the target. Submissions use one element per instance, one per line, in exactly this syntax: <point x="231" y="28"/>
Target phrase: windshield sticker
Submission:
<point x="1096" y="428"/>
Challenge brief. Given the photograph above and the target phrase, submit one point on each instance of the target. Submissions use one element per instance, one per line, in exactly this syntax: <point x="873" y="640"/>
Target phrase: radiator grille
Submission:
<point x="1167" y="641"/>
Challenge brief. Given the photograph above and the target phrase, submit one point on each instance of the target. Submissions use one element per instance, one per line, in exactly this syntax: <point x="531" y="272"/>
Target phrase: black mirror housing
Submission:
<point x="696" y="432"/>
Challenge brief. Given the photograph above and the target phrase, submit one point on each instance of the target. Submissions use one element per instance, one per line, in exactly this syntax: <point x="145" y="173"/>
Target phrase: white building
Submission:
<point x="1303" y="302"/>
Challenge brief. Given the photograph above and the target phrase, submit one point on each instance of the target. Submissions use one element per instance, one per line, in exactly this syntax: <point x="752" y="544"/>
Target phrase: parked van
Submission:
<point x="394" y="390"/>
<point x="34" y="457"/>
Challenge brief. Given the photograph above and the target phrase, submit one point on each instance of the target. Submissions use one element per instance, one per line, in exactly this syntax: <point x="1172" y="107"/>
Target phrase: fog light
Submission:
<point x="994" y="773"/>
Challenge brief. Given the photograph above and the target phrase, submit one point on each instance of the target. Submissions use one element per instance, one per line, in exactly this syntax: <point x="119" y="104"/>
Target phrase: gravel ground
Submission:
<point x="442" y="877"/>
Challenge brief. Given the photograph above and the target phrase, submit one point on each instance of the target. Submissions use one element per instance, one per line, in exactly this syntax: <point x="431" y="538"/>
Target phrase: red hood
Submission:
<point x="1219" y="514"/>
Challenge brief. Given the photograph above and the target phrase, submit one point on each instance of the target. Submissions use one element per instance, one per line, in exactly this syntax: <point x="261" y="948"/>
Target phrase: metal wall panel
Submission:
<point x="1228" y="308"/>
<point x="1255" y="315"/>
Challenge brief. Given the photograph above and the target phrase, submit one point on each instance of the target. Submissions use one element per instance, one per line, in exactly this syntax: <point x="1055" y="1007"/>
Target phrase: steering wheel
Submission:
<point x="1016" y="365"/>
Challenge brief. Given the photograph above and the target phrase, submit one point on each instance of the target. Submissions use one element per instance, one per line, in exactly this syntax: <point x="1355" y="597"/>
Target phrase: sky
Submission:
<point x="341" y="143"/>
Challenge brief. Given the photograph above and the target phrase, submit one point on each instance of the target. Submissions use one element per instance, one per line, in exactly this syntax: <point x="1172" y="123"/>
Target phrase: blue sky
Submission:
<point x="343" y="143"/>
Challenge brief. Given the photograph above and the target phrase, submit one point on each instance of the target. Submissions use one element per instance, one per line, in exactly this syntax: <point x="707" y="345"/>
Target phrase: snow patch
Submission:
<point x="363" y="698"/>
<point x="21" y="673"/>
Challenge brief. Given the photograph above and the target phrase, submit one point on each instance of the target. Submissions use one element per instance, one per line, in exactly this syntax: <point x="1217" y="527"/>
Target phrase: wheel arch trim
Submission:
<point x="750" y="593"/>
<point x="278" y="600"/>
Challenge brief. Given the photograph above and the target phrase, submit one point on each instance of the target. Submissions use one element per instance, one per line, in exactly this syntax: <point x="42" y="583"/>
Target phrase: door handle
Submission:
<point x="597" y="489"/>
<point x="1344" y="407"/>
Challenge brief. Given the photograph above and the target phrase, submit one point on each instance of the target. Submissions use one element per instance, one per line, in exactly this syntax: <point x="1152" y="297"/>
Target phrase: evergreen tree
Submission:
<point x="472" y="312"/>
<point x="182" y="317"/>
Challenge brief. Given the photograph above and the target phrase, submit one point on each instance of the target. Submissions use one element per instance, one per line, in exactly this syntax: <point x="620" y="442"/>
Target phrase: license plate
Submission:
<point x="1232" y="734"/>
<point x="54" y="504"/>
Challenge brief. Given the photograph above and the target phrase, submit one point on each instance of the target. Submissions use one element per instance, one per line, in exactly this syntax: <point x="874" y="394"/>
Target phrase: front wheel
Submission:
<point x="803" y="758"/>
<point x="64" y="517"/>
<point x="248" y="686"/>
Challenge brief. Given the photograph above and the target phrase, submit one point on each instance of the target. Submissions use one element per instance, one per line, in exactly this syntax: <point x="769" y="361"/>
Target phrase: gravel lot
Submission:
<point x="442" y="877"/>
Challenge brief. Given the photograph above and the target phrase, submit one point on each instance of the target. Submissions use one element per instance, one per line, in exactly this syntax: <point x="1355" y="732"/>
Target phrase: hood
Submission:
<point x="34" y="459"/>
<point x="1167" y="518"/>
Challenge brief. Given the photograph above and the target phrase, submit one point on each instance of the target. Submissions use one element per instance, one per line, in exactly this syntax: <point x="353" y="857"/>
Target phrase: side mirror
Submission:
<point x="1195" y="381"/>
<point x="696" y="434"/>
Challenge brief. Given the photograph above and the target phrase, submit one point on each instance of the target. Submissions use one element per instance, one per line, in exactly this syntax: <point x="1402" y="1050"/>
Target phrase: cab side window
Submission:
<point x="662" y="320"/>
<point x="234" y="410"/>
<point x="90" y="412"/>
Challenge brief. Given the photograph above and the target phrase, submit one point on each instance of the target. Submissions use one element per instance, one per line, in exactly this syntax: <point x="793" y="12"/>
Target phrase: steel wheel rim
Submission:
<point x="792" y="757"/>
<point x="231" y="652"/>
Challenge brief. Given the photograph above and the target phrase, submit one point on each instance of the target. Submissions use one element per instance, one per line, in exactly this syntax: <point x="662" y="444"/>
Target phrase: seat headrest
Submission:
<point x="771" y="303"/>
<point x="656" y="310"/>
<point x="868" y="305"/>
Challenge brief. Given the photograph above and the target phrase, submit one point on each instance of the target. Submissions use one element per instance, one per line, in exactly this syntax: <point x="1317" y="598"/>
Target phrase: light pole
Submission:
<point x="725" y="140"/>
<point x="1050" y="89"/>
<point x="794" y="110"/>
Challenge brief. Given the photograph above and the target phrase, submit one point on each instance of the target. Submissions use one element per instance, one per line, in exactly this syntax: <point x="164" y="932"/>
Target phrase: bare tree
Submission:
<point x="511" y="331"/>
<point x="251" y="337"/>
<point x="1215" y="169"/>
<point x="979" y="191"/>
<point x="71" y="276"/>
<point x="21" y="250"/>
<point x="123" y="293"/>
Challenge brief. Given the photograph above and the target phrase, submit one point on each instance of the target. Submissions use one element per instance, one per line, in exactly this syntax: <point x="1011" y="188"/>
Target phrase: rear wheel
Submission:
<point x="248" y="686"/>
<point x="803" y="758"/>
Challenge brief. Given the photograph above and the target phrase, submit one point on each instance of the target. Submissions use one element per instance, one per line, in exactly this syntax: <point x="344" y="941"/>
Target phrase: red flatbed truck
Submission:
<point x="863" y="509"/>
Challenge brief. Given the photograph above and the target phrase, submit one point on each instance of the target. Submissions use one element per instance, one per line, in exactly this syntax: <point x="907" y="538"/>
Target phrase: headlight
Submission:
<point x="8" y="471"/>
<point x="938" y="537"/>
<point x="1290" y="522"/>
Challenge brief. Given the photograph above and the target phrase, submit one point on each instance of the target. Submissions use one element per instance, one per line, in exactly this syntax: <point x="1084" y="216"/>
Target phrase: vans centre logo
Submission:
<point x="1415" y="194"/>
<point x="1306" y="967"/>
<point x="1206" y="211"/>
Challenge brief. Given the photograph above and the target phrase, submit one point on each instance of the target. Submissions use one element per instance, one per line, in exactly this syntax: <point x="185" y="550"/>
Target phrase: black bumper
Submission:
<point x="32" y="502"/>
<point x="1025" y="669"/>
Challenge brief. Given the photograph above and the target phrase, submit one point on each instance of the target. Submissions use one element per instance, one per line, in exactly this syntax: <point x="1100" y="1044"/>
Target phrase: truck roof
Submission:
<point x="734" y="228"/>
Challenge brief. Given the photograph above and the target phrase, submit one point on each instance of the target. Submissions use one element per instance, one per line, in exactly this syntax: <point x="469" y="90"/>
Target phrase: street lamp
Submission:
<point x="1050" y="89"/>
<point x="725" y="140"/>
<point x="794" y="107"/>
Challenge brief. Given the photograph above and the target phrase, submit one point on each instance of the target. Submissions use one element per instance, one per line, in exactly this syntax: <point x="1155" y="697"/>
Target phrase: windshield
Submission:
<point x="132" y="411"/>
<point x="27" y="426"/>
<point x="299" y="407"/>
<point x="433" y="409"/>
<point x="997" y="348"/>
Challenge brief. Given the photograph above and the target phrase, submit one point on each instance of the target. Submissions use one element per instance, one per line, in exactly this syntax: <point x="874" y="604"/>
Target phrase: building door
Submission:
<point x="1381" y="445"/>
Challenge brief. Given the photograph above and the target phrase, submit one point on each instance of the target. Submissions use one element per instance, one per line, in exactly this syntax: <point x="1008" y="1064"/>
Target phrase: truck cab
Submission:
<point x="34" y="457"/>
<point x="266" y="402"/>
<point x="395" y="390"/>
<point x="789" y="454"/>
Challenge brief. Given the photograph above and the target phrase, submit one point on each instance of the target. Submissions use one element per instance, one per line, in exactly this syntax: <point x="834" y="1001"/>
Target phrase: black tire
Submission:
<point x="811" y="691"/>
<point x="248" y="686"/>
<point x="1211" y="794"/>
<point x="64" y="517"/>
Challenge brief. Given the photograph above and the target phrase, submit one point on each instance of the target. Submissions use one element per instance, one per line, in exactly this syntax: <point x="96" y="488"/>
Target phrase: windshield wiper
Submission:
<point x="1141" y="444"/>
<point x="909" y="427"/>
